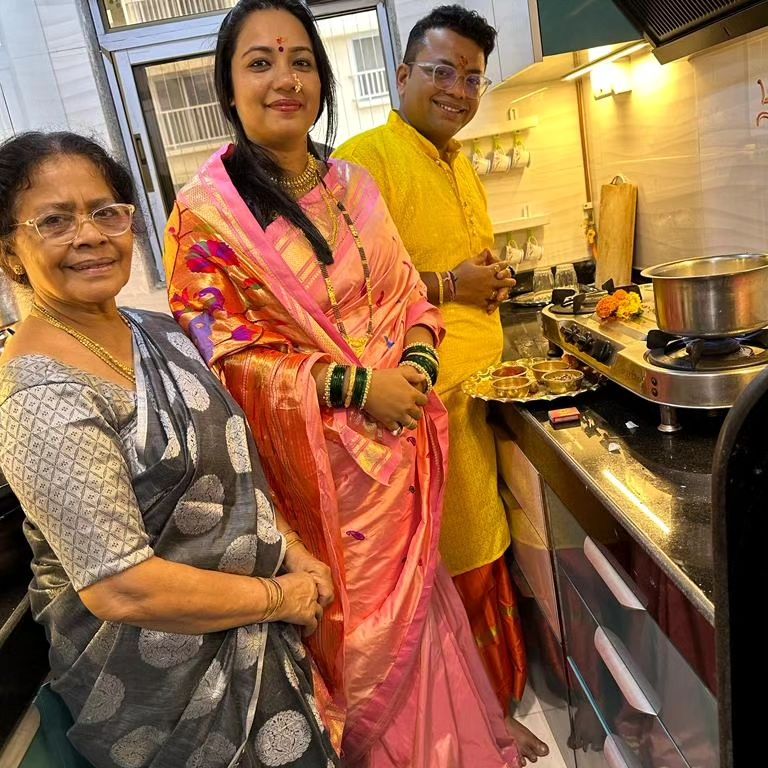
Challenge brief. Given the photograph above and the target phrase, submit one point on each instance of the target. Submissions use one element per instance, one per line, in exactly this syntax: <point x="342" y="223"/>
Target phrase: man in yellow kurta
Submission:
<point x="439" y="206"/>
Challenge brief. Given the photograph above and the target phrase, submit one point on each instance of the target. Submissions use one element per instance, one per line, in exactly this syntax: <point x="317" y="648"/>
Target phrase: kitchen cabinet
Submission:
<point x="568" y="26"/>
<point x="518" y="44"/>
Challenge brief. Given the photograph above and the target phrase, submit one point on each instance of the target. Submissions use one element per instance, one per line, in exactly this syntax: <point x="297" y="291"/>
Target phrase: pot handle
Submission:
<point x="619" y="178"/>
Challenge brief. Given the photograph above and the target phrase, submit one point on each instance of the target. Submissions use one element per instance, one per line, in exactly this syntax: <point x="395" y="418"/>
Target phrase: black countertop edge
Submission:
<point x="697" y="597"/>
<point x="10" y="621"/>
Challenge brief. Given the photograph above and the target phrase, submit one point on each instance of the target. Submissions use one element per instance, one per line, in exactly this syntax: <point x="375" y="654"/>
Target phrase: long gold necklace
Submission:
<point x="298" y="186"/>
<point x="358" y="343"/>
<point x="124" y="370"/>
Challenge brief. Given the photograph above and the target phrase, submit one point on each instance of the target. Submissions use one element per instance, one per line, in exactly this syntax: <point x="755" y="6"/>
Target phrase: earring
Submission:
<point x="18" y="269"/>
<point x="299" y="87"/>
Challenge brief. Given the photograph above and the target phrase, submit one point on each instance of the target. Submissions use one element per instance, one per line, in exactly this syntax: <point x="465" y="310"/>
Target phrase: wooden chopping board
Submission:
<point x="616" y="232"/>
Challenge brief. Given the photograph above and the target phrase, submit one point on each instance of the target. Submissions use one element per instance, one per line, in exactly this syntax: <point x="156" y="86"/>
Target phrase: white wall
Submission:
<point x="554" y="184"/>
<point x="687" y="135"/>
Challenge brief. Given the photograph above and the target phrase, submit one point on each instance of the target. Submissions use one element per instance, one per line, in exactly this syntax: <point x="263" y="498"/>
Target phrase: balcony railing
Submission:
<point x="193" y="125"/>
<point x="371" y="84"/>
<point x="142" y="11"/>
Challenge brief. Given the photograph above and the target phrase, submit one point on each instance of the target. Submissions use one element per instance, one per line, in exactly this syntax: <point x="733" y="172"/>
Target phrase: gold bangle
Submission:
<point x="292" y="542"/>
<point x="327" y="388"/>
<point x="350" y="386"/>
<point x="440" y="290"/>
<point x="271" y="599"/>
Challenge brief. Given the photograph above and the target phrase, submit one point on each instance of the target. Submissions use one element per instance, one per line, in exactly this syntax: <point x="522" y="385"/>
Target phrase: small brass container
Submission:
<point x="560" y="382"/>
<point x="512" y="386"/>
<point x="548" y="366"/>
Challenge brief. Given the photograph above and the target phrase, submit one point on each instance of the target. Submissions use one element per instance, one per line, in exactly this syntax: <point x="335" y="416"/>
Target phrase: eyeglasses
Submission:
<point x="63" y="228"/>
<point x="444" y="77"/>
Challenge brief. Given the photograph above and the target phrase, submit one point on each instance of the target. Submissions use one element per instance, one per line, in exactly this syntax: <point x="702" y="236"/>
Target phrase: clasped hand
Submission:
<point x="483" y="281"/>
<point x="396" y="398"/>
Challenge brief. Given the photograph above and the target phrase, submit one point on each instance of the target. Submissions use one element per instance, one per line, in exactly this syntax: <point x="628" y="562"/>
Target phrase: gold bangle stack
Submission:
<point x="275" y="598"/>
<point x="367" y="388"/>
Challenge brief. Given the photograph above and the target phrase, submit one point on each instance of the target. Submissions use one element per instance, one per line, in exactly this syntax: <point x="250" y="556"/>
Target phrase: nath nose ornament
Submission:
<point x="299" y="86"/>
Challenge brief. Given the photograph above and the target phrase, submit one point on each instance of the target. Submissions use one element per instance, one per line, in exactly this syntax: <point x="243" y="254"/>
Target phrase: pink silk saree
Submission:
<point x="394" y="650"/>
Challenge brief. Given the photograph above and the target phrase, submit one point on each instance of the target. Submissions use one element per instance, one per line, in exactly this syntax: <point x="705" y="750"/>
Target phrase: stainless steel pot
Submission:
<point x="713" y="296"/>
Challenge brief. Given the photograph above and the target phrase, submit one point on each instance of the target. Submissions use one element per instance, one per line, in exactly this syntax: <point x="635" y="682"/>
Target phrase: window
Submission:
<point x="127" y="13"/>
<point x="370" y="72"/>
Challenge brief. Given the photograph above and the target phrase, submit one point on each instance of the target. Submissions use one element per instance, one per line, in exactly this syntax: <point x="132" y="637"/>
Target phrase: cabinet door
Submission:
<point x="569" y="26"/>
<point x="519" y="41"/>
<point x="485" y="8"/>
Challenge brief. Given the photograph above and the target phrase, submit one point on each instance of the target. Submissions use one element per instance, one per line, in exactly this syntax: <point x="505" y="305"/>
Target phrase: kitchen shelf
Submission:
<point x="484" y="130"/>
<point x="519" y="224"/>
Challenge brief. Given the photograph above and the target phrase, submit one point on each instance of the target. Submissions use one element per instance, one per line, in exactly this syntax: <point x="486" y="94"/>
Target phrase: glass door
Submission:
<point x="172" y="119"/>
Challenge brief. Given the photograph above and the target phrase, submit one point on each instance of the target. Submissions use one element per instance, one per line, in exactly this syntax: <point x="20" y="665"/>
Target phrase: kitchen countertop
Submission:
<point x="657" y="486"/>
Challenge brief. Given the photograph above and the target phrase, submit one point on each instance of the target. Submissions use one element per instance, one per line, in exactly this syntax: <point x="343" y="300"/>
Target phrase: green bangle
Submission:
<point x="337" y="386"/>
<point x="425" y="362"/>
<point x="420" y="369"/>
<point x="368" y="378"/>
<point x="361" y="381"/>
<point x="423" y="348"/>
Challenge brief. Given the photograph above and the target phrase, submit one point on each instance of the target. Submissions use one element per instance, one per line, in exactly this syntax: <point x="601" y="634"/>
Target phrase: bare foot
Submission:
<point x="531" y="748"/>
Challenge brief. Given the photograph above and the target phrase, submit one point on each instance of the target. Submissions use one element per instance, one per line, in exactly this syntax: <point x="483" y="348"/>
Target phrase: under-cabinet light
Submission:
<point x="619" y="53"/>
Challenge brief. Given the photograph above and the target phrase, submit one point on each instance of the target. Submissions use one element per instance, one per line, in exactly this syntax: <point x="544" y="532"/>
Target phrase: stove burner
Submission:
<point x="566" y="301"/>
<point x="691" y="354"/>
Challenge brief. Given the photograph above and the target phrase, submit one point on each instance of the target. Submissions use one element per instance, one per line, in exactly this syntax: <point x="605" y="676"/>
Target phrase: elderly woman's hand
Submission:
<point x="298" y="559"/>
<point x="300" y="602"/>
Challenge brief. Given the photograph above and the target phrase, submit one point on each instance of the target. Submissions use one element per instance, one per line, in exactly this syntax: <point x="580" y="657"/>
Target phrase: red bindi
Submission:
<point x="280" y="41"/>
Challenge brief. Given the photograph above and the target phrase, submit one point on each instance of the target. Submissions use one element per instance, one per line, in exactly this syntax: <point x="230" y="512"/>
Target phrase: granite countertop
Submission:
<point x="657" y="486"/>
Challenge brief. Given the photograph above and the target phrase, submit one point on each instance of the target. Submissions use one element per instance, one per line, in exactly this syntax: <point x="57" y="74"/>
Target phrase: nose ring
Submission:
<point x="299" y="86"/>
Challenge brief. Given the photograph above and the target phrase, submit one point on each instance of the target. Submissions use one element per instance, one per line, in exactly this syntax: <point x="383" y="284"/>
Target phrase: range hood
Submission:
<point x="678" y="28"/>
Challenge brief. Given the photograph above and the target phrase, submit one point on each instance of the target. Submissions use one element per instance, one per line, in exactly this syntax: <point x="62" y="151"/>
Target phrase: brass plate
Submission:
<point x="480" y="386"/>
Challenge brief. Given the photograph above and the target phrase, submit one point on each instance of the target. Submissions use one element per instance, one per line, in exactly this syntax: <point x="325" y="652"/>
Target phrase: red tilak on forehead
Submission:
<point x="280" y="41"/>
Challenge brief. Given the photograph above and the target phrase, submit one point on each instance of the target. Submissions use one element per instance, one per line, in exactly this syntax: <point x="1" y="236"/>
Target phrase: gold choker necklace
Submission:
<point x="298" y="186"/>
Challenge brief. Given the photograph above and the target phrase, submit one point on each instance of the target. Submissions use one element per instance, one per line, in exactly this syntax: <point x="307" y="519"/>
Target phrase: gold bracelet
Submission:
<point x="280" y="597"/>
<point x="424" y="348"/>
<point x="327" y="388"/>
<point x="292" y="542"/>
<point x="350" y="386"/>
<point x="271" y="599"/>
<point x="440" y="289"/>
<point x="420" y="369"/>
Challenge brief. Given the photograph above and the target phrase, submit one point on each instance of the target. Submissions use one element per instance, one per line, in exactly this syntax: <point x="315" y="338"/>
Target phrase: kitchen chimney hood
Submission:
<point x="678" y="28"/>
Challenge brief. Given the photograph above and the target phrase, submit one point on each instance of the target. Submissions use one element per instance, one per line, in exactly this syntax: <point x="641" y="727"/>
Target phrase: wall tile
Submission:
<point x="61" y="23"/>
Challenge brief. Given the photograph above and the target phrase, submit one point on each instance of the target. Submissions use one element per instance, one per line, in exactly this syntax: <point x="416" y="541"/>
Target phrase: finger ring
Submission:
<point x="412" y="424"/>
<point x="397" y="431"/>
<point x="493" y="296"/>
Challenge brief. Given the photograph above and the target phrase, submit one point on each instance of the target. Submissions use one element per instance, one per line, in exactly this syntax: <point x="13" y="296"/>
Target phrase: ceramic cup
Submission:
<point x="501" y="161"/>
<point x="481" y="164"/>
<point x="513" y="255"/>
<point x="533" y="251"/>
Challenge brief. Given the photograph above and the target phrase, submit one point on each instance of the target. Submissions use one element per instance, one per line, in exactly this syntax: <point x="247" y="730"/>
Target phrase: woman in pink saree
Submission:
<point x="279" y="266"/>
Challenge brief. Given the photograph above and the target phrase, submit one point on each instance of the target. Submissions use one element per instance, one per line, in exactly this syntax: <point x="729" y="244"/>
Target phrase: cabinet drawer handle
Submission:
<point x="619" y="588"/>
<point x="623" y="676"/>
<point x="615" y="756"/>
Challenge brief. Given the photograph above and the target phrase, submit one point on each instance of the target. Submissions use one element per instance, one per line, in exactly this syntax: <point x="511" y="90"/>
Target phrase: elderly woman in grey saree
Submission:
<point x="158" y="567"/>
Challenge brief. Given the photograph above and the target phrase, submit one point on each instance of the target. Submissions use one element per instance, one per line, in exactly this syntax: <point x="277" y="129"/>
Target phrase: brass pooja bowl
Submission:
<point x="558" y="382"/>
<point x="548" y="366"/>
<point x="512" y="386"/>
<point x="505" y="370"/>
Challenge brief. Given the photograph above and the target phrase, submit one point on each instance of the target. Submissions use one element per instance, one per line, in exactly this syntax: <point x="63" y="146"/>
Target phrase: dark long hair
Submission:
<point x="250" y="165"/>
<point x="22" y="155"/>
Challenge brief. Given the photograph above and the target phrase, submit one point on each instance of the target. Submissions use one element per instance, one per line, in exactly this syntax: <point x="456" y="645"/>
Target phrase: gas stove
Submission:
<point x="671" y="371"/>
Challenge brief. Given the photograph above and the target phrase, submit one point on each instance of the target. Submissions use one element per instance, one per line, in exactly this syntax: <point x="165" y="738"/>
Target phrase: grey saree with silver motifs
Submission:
<point x="108" y="479"/>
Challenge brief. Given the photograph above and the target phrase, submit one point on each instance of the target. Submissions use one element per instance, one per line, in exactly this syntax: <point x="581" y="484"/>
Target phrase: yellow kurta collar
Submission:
<point x="403" y="128"/>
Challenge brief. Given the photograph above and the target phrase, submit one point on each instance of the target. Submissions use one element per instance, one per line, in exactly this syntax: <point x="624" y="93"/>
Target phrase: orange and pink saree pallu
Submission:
<point x="402" y="685"/>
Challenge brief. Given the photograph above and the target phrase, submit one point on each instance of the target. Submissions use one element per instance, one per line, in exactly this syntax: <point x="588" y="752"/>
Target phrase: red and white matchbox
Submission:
<point x="564" y="415"/>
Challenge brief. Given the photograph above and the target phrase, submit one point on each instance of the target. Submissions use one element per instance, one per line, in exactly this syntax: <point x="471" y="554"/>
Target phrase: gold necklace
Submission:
<point x="298" y="186"/>
<point x="120" y="368"/>
<point x="357" y="343"/>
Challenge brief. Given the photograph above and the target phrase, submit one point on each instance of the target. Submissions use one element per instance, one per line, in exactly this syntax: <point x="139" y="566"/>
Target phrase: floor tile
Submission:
<point x="537" y="723"/>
